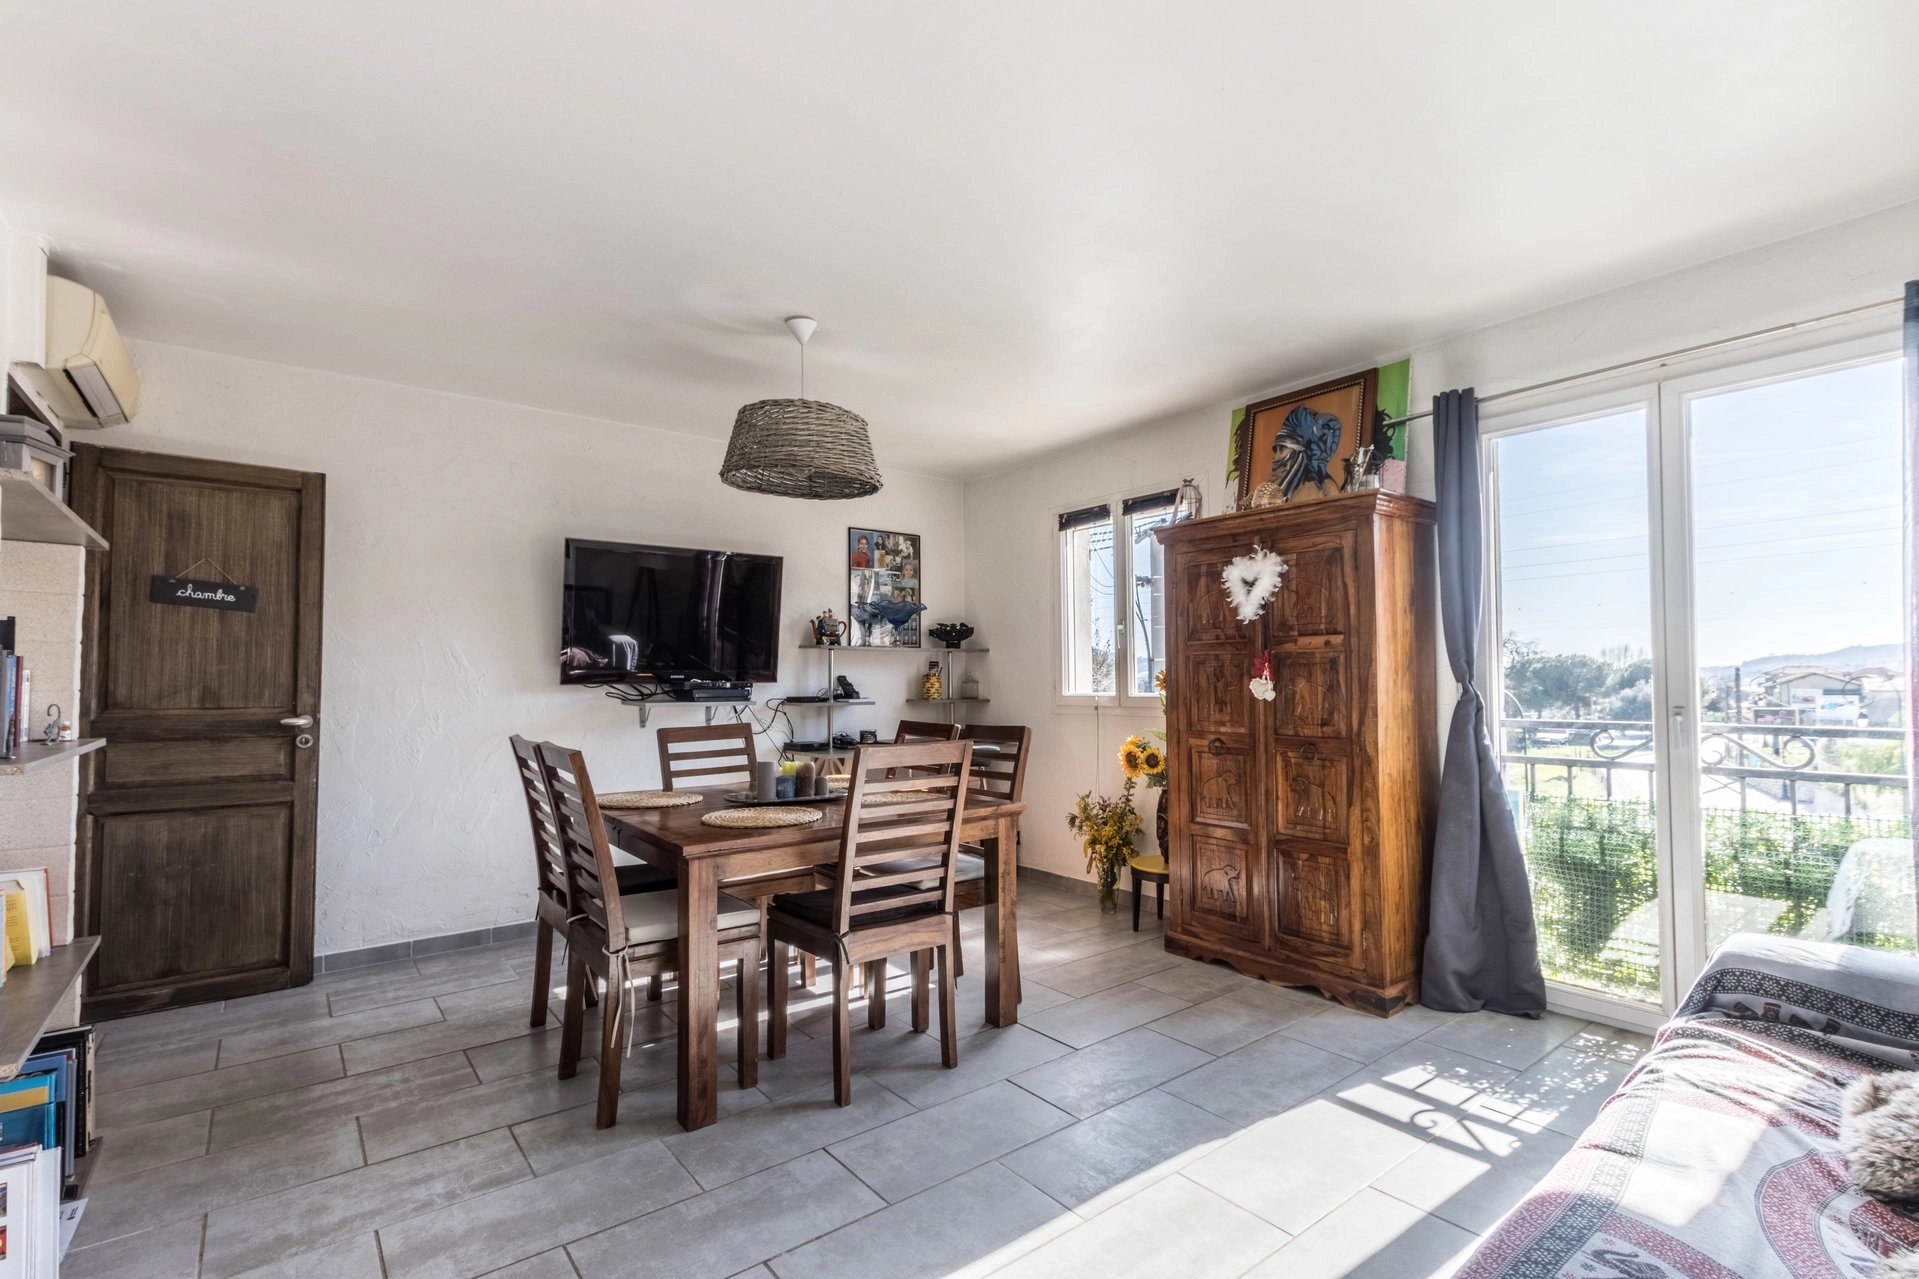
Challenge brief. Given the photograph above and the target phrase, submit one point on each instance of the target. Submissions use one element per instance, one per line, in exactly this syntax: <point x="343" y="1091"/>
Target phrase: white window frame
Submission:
<point x="1123" y="573"/>
<point x="1663" y="397"/>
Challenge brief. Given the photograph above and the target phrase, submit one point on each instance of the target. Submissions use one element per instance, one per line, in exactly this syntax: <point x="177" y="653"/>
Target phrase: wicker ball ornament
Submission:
<point x="801" y="448"/>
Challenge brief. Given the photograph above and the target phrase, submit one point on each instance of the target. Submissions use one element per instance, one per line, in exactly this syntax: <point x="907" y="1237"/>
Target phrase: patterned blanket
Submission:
<point x="1718" y="1157"/>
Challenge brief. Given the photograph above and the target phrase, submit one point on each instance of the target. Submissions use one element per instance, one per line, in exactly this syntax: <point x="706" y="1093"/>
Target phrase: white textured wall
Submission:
<point x="1009" y="517"/>
<point x="40" y="589"/>
<point x="445" y="518"/>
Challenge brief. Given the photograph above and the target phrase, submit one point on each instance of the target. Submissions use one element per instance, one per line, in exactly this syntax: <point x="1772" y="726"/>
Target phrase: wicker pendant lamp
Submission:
<point x="800" y="448"/>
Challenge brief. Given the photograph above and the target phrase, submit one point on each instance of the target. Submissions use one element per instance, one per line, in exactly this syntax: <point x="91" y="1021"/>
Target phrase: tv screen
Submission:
<point x="665" y="612"/>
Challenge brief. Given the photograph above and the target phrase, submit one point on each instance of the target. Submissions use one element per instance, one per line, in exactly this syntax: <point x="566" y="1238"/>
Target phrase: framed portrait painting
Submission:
<point x="1295" y="447"/>
<point x="883" y="605"/>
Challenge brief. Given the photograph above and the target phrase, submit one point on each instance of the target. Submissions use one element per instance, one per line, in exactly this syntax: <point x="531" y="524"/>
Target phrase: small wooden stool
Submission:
<point x="1145" y="867"/>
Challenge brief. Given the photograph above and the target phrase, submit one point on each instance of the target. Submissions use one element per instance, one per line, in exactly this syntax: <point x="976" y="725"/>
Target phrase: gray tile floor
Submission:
<point x="1149" y="1116"/>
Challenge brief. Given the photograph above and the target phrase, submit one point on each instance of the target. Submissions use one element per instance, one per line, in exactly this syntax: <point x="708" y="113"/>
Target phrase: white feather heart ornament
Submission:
<point x="1251" y="580"/>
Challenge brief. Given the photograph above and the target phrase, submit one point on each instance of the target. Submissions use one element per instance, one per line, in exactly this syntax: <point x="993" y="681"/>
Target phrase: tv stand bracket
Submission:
<point x="642" y="696"/>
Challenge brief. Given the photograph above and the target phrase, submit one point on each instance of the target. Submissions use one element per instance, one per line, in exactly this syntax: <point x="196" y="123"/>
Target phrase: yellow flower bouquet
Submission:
<point x="1106" y="827"/>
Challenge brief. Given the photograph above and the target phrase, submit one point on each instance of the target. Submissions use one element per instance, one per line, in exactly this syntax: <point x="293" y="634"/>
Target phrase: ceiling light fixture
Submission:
<point x="802" y="447"/>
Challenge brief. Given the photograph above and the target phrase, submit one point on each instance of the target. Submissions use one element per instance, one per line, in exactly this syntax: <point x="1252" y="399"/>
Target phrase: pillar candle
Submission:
<point x="764" y="774"/>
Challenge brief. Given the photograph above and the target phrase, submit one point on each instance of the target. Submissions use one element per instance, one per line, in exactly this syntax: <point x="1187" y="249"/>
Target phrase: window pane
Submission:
<point x="1147" y="604"/>
<point x="1086" y="613"/>
<point x="1798" y="562"/>
<point x="1575" y="724"/>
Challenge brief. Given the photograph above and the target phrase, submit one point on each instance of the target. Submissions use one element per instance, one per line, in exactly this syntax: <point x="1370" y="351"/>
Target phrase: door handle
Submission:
<point x="297" y="721"/>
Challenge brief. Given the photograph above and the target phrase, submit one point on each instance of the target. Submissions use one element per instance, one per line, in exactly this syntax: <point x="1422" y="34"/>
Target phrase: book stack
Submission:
<point x="26" y="918"/>
<point x="46" y="1125"/>
<point x="16" y="694"/>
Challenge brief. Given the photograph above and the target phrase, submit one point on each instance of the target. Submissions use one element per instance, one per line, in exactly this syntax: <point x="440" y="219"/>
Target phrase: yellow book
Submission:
<point x="20" y="929"/>
<point x="25" y="1096"/>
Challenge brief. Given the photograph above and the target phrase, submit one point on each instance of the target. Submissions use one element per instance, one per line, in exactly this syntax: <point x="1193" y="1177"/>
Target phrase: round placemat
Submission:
<point x="902" y="796"/>
<point x="761" y="818"/>
<point x="649" y="798"/>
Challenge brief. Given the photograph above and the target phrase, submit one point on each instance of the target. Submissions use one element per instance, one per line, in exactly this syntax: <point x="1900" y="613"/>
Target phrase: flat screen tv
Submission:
<point x="668" y="613"/>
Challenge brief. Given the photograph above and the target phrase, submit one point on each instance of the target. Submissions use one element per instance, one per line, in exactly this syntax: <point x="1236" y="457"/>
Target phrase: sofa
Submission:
<point x="1718" y="1156"/>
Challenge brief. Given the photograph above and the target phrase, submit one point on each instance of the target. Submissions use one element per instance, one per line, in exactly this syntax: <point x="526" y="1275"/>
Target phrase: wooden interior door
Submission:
<point x="196" y="848"/>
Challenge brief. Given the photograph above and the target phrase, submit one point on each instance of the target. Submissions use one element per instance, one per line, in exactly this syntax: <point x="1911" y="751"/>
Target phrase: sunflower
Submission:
<point x="1152" y="761"/>
<point x="1130" y="760"/>
<point x="1159" y="680"/>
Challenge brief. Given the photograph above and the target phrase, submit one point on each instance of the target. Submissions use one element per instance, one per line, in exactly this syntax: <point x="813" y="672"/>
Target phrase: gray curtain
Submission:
<point x="1481" y="950"/>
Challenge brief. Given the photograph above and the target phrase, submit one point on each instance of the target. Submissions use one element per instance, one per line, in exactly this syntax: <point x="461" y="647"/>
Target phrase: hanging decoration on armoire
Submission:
<point x="1251" y="580"/>
<point x="1261" y="683"/>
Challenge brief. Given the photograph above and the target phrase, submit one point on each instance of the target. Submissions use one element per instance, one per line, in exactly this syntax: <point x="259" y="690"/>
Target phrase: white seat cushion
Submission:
<point x="652" y="917"/>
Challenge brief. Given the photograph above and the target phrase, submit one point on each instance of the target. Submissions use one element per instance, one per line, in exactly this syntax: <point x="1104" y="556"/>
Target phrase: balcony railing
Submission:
<point x="1734" y="759"/>
<point x="1805" y="832"/>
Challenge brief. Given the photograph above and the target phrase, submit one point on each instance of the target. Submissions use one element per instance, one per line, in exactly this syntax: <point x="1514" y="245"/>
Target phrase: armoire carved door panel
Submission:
<point x="1223" y="790"/>
<point x="1312" y="597"/>
<point x="1216" y="700"/>
<point x="1219" y="886"/>
<point x="1201" y="609"/>
<point x="1313" y="902"/>
<point x="1311" y="692"/>
<point x="1312" y="793"/>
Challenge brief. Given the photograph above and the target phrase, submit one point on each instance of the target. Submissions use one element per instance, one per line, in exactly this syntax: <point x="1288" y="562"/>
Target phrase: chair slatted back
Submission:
<point x="999" y="759"/>
<point x="593" y="891"/>
<point x="709" y="755"/>
<point x="881" y="826"/>
<point x="549" y="853"/>
<point x="917" y="732"/>
<point x="921" y="732"/>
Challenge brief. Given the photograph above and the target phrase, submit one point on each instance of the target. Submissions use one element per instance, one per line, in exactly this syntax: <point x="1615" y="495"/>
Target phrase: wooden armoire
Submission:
<point x="1301" y="827"/>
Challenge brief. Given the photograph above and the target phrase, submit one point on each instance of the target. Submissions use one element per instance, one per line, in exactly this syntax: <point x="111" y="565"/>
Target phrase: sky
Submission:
<point x="1797" y="499"/>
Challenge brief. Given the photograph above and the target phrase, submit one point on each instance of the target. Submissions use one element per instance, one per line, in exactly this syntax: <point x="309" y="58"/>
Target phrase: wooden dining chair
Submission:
<point x="915" y="732"/>
<point x="1000" y="752"/>
<point x="892" y="894"/>
<point x="549" y="870"/>
<point x="621" y="937"/>
<point x="722" y="755"/>
<point x="707" y="755"/>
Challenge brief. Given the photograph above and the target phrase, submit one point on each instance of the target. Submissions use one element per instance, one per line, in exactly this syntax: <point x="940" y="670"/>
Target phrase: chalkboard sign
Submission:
<point x="189" y="592"/>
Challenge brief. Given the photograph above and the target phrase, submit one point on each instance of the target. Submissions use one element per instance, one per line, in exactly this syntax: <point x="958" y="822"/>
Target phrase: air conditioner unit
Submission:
<point x="86" y="378"/>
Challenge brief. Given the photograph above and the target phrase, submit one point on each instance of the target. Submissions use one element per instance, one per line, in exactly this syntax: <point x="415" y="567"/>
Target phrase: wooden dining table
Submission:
<point x="703" y="858"/>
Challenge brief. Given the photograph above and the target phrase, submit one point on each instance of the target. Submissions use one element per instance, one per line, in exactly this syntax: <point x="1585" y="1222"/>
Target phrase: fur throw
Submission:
<point x="1879" y="1134"/>
<point x="1903" y="1266"/>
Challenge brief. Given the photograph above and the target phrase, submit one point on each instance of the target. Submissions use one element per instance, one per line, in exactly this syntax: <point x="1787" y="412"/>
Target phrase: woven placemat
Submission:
<point x="649" y="798"/>
<point x="761" y="818"/>
<point x="902" y="796"/>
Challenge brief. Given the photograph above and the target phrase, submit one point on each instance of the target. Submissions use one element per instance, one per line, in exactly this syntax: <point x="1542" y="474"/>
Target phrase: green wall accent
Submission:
<point x="1395" y="396"/>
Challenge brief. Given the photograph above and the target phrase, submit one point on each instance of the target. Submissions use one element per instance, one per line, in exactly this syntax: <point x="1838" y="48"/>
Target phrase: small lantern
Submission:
<point x="1188" y="504"/>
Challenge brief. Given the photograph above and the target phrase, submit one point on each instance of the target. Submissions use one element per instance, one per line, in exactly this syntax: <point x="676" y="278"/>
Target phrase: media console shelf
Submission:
<point x="32" y="994"/>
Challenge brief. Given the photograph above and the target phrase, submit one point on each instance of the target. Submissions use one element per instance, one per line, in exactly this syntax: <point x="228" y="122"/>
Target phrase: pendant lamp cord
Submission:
<point x="802" y="370"/>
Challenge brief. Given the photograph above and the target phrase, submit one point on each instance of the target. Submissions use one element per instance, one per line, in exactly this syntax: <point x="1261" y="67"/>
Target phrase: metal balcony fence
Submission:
<point x="1789" y="811"/>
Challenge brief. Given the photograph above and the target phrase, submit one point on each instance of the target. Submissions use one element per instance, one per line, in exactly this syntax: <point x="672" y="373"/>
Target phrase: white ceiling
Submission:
<point x="1019" y="224"/>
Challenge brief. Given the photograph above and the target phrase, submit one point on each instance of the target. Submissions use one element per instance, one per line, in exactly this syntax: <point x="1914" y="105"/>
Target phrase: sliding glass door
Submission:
<point x="1698" y="589"/>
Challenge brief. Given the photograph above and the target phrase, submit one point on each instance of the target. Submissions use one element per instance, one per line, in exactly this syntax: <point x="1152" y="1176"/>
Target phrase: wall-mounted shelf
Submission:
<point x="947" y="701"/>
<point x="29" y="512"/>
<point x="32" y="994"/>
<point x="34" y="755"/>
<point x="791" y="704"/>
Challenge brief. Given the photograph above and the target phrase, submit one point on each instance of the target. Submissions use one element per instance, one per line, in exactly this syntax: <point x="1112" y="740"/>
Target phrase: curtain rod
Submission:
<point x="1700" y="348"/>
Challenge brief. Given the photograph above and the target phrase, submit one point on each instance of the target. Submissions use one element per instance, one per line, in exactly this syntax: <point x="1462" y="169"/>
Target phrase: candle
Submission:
<point x="803" y="778"/>
<point x="764" y="784"/>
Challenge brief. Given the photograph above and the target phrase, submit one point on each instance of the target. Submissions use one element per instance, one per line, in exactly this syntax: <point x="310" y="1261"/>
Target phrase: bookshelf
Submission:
<point x="38" y="755"/>
<point x="31" y="996"/>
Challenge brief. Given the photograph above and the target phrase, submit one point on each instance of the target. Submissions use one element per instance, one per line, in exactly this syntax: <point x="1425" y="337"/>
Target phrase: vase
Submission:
<point x="1159" y="821"/>
<point x="1108" y="897"/>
